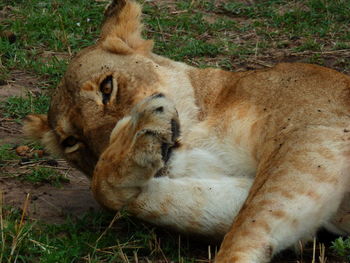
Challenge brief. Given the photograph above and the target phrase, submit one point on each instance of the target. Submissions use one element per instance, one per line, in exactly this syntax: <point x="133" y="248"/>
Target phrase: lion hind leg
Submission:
<point x="297" y="190"/>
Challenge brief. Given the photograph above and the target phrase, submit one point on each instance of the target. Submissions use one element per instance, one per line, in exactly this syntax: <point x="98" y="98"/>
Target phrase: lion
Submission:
<point x="259" y="157"/>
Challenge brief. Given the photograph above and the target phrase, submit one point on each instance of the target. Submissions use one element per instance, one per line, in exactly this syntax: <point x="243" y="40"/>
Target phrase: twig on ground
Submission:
<point x="165" y="34"/>
<point x="328" y="52"/>
<point x="9" y="129"/>
<point x="115" y="218"/>
<point x="122" y="255"/>
<point x="160" y="29"/>
<point x="157" y="243"/>
<point x="19" y="229"/>
<point x="322" y="257"/>
<point x="41" y="245"/>
<point x="209" y="253"/>
<point x="136" y="257"/>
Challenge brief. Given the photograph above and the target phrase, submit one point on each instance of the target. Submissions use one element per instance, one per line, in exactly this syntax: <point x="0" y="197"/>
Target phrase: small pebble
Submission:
<point x="22" y="150"/>
<point x="52" y="162"/>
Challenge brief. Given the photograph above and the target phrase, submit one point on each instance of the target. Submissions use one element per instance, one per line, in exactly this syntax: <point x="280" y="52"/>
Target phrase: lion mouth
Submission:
<point x="167" y="148"/>
<point x="175" y="129"/>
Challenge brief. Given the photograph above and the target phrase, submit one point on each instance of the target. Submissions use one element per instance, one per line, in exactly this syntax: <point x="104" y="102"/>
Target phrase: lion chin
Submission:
<point x="262" y="157"/>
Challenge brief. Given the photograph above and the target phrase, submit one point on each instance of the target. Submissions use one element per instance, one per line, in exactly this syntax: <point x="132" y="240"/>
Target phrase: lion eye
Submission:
<point x="106" y="88"/>
<point x="69" y="142"/>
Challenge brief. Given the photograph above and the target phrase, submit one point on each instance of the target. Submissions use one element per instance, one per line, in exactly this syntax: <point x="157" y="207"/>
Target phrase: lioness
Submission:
<point x="268" y="148"/>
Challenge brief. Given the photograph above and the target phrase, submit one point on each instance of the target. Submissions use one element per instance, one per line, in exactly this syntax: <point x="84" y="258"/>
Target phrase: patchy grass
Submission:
<point x="91" y="238"/>
<point x="46" y="32"/>
<point x="316" y="18"/>
<point x="42" y="175"/>
<point x="228" y="34"/>
<point x="7" y="153"/>
<point x="243" y="32"/>
<point x="18" y="107"/>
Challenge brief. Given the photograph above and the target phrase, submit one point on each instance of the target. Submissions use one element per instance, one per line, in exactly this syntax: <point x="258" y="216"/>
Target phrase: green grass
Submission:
<point x="7" y="153"/>
<point x="45" y="27"/>
<point x="18" y="107"/>
<point x="342" y="247"/>
<point x="95" y="237"/>
<point x="303" y="18"/>
<point x="270" y="22"/>
<point x="67" y="26"/>
<point x="199" y="32"/>
<point x="55" y="26"/>
<point x="44" y="175"/>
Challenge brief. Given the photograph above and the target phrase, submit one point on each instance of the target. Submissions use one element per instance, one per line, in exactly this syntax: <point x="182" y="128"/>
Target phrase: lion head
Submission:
<point x="101" y="85"/>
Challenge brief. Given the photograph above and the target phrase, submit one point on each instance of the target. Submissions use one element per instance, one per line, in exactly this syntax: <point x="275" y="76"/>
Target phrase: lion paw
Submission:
<point x="155" y="123"/>
<point x="159" y="123"/>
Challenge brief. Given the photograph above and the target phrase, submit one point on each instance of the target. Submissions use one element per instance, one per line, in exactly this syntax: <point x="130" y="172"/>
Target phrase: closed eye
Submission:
<point x="69" y="141"/>
<point x="106" y="88"/>
<point x="70" y="144"/>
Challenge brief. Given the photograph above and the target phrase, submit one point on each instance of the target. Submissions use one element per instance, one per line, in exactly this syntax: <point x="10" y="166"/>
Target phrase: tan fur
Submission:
<point x="121" y="32"/>
<point x="290" y="125"/>
<point x="37" y="128"/>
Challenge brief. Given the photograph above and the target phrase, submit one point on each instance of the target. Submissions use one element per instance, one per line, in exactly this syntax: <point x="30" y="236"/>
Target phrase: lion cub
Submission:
<point x="261" y="156"/>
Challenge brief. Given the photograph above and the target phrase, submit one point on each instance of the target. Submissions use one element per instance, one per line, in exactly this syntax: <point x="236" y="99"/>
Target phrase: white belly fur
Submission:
<point x="199" y="195"/>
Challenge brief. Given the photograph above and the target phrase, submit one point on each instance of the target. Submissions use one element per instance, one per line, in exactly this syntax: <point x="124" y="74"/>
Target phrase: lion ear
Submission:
<point x="121" y="31"/>
<point x="37" y="128"/>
